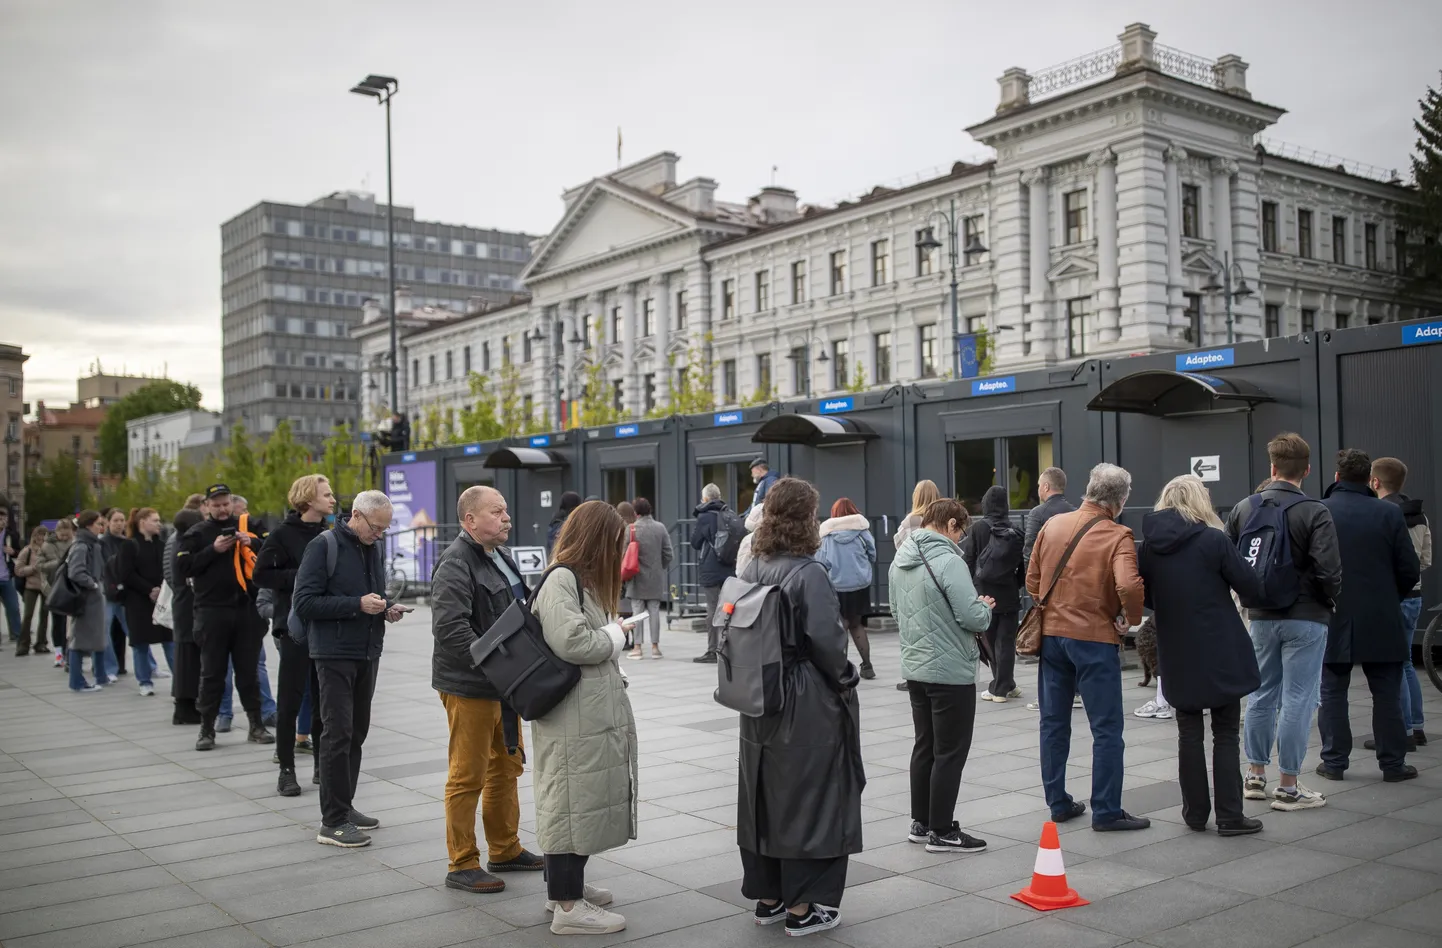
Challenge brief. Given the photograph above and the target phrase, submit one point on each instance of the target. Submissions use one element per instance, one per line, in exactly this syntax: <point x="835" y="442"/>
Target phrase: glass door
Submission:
<point x="627" y="483"/>
<point x="976" y="464"/>
<point x="734" y="480"/>
<point x="973" y="470"/>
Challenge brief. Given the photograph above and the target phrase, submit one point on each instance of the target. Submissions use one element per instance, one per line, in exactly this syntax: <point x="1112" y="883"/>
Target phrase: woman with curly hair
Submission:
<point x="799" y="811"/>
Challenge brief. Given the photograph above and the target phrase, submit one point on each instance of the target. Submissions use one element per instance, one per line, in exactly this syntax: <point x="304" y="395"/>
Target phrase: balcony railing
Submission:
<point x="1103" y="64"/>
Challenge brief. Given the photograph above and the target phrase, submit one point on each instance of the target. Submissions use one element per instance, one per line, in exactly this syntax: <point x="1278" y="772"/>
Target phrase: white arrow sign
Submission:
<point x="1208" y="467"/>
<point x="530" y="559"/>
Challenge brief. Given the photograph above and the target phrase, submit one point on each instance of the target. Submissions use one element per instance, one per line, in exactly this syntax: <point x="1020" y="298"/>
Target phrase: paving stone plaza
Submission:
<point x="114" y="832"/>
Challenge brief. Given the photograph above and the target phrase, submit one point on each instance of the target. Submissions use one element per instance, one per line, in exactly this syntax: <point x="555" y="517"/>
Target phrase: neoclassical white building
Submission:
<point x="1129" y="198"/>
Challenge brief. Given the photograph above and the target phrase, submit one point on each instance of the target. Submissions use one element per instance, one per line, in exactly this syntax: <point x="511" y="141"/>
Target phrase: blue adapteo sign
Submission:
<point x="1421" y="335"/>
<point x="835" y="406"/>
<point x="1216" y="358"/>
<point x="1006" y="383"/>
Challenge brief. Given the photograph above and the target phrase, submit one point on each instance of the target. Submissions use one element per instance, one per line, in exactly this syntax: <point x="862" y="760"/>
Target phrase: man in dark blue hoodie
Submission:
<point x="992" y="549"/>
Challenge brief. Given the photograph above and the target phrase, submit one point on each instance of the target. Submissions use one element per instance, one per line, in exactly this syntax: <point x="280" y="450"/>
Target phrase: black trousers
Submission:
<point x="1001" y="639"/>
<point x="793" y="881"/>
<point x="565" y="877"/>
<point x="1384" y="679"/>
<point x="34" y="610"/>
<point x="1226" y="764"/>
<point x="59" y="632"/>
<point x="185" y="686"/>
<point x="296" y="670"/>
<point x="943" y="717"/>
<point x="346" y="689"/>
<point x="117" y="639"/>
<point x="227" y="637"/>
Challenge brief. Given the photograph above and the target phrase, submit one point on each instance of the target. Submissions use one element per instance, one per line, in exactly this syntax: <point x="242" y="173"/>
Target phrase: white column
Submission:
<point x="1360" y="314"/>
<point x="1223" y="170"/>
<point x="1109" y="322"/>
<point x="570" y="330"/>
<point x="1175" y="155"/>
<point x="600" y="320"/>
<point x="1291" y="320"/>
<point x="630" y="384"/>
<point x="661" y="292"/>
<point x="1039" y="250"/>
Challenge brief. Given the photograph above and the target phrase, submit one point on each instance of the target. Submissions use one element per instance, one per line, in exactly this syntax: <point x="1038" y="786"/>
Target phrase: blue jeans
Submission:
<point x="144" y="662"/>
<point x="1289" y="655"/>
<point x="267" y="701"/>
<point x="77" y="668"/>
<point x="1069" y="666"/>
<point x="1411" y="687"/>
<point x="11" y="600"/>
<point x="114" y="611"/>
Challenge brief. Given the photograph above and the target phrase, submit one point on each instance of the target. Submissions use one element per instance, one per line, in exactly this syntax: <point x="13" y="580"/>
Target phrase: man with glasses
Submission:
<point x="340" y="596"/>
<point x="218" y="560"/>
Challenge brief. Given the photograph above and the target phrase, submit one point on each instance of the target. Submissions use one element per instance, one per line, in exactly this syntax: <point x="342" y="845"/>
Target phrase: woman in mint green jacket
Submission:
<point x="939" y="616"/>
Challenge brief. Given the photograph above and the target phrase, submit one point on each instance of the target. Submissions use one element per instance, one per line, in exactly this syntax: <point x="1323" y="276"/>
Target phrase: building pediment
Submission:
<point x="606" y="220"/>
<point x="1200" y="261"/>
<point x="1072" y="265"/>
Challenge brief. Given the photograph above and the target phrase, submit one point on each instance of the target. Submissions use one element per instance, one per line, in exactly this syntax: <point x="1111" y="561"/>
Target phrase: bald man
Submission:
<point x="475" y="581"/>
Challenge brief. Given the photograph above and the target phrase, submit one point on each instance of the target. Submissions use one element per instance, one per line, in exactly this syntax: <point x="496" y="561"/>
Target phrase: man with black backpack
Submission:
<point x="716" y="536"/>
<point x="1291" y="541"/>
<point x="992" y="550"/>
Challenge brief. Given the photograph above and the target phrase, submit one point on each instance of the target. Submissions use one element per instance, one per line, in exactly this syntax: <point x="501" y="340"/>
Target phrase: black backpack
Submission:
<point x="998" y="562"/>
<point x="730" y="531"/>
<point x="1266" y="544"/>
<point x="514" y="656"/>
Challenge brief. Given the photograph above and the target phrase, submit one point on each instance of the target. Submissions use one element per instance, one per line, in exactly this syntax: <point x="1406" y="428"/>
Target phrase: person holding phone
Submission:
<point x="586" y="773"/>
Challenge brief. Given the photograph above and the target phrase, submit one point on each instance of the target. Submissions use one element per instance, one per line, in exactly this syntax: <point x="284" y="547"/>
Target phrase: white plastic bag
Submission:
<point x="164" y="614"/>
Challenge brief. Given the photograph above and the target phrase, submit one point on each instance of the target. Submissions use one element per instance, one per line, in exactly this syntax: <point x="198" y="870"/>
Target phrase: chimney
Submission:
<point x="774" y="205"/>
<point x="697" y="196"/>
<point x="1015" y="90"/>
<point x="1138" y="48"/>
<point x="370" y="311"/>
<point x="403" y="301"/>
<point x="1231" y="75"/>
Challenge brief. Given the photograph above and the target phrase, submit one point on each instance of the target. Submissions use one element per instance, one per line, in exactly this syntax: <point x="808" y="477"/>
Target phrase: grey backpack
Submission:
<point x="294" y="624"/>
<point x="752" y="619"/>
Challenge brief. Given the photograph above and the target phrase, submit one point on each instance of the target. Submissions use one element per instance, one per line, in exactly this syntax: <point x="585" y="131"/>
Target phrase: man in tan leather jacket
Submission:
<point x="1089" y="605"/>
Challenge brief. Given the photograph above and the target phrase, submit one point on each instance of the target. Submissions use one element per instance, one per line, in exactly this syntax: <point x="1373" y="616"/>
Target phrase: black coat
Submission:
<point x="801" y="773"/>
<point x="713" y="572"/>
<point x="1314" y="550"/>
<point x="1379" y="569"/>
<point x="278" y="563"/>
<point x="995" y="518"/>
<point x="182" y="601"/>
<point x="140" y="564"/>
<point x="211" y="574"/>
<point x="338" y="629"/>
<point x="1190" y="571"/>
<point x="112" y="545"/>
<point x="468" y="594"/>
<point x="1036" y="518"/>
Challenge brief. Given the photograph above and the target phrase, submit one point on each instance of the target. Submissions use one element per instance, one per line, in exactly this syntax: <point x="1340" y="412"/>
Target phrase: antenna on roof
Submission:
<point x="618" y="146"/>
<point x="773" y="176"/>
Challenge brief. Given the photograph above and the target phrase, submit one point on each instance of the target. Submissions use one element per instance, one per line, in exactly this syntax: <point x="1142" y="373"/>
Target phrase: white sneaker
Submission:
<point x="160" y="673"/>
<point x="594" y="894"/>
<point x="586" y="919"/>
<point x="1014" y="693"/>
<point x="1303" y="799"/>
<point x="147" y="690"/>
<point x="1151" y="709"/>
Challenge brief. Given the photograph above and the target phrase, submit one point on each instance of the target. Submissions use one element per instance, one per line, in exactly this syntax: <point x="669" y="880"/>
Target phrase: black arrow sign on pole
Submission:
<point x="1199" y="468"/>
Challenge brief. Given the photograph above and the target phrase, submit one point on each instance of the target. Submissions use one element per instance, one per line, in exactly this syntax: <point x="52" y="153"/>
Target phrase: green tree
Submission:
<point x="597" y="406"/>
<point x="480" y="420"/>
<point x="857" y="384"/>
<point x="56" y="490"/>
<point x="162" y="395"/>
<point x="239" y="465"/>
<point x="761" y="396"/>
<point x="283" y="459"/>
<point x="1423" y="218"/>
<point x="692" y="386"/>
<point x="342" y="461"/>
<point x="510" y="403"/>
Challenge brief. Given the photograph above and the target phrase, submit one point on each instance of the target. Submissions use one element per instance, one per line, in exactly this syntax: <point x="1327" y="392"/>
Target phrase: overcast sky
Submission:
<point x="130" y="130"/>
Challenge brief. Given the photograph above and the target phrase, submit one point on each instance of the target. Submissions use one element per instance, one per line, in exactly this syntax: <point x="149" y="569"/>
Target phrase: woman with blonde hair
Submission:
<point x="584" y="750"/>
<point x="1190" y="568"/>
<point x="923" y="495"/>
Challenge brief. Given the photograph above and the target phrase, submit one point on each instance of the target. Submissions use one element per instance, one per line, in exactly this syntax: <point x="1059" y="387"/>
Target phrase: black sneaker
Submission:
<point x="1074" y="810"/>
<point x="259" y="735"/>
<point x="1419" y="737"/>
<point x="1371" y="745"/>
<point x="867" y="671"/>
<point x="1246" y="826"/>
<point x="1122" y="823"/>
<point x="287" y="786"/>
<point x="954" y="841"/>
<point x="315" y="777"/>
<point x="902" y="686"/>
<point x="918" y="833"/>
<point x="359" y="819"/>
<point x="474" y="880"/>
<point x="346" y="836"/>
<point x="1324" y="771"/>
<point x="818" y="919"/>
<point x="525" y="862"/>
<point x="708" y="659"/>
<point x="1405" y="772"/>
<point x="769" y="914"/>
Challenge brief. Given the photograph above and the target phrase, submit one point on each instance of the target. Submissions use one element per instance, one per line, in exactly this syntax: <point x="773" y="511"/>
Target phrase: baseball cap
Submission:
<point x="761" y="462"/>
<point x="216" y="490"/>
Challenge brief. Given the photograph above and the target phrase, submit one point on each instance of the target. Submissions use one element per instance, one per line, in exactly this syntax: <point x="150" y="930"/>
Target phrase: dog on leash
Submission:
<point x="1147" y="650"/>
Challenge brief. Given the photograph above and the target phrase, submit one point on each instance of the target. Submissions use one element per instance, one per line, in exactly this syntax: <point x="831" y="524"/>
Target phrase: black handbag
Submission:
<point x="65" y="599"/>
<point x="514" y="656"/>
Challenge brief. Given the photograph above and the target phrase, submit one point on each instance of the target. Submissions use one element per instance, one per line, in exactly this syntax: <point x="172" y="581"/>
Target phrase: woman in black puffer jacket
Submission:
<point x="311" y="501"/>
<point x="185" y="687"/>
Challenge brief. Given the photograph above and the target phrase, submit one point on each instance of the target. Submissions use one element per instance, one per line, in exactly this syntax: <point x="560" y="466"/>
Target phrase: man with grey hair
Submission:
<point x="1083" y="573"/>
<point x="711" y="516"/>
<point x="340" y="596"/>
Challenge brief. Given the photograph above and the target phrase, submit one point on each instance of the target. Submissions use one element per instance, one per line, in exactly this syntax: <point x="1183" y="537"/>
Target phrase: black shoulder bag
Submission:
<point x="514" y="656"/>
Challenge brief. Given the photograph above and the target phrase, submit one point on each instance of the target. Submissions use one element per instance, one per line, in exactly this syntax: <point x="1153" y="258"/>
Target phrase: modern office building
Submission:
<point x="293" y="281"/>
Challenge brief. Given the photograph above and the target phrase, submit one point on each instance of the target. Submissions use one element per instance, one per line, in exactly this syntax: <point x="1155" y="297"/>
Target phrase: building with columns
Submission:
<point x="1129" y="200"/>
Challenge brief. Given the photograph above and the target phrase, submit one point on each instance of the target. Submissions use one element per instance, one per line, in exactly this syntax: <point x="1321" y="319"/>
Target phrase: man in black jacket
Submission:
<point x="1051" y="488"/>
<point x="1379" y="569"/>
<point x="713" y="572"/>
<point x="1289" y="643"/>
<point x="345" y="612"/>
<point x="311" y="501"/>
<point x="475" y="581"/>
<point x="218" y="561"/>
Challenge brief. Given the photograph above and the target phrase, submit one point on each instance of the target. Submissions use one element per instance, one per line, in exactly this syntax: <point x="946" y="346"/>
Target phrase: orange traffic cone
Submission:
<point x="1048" y="889"/>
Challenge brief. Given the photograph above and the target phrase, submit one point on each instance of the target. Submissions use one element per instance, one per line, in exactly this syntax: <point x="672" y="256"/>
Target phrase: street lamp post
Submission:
<point x="383" y="89"/>
<point x="928" y="242"/>
<point x="1241" y="291"/>
<point x="806" y="360"/>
